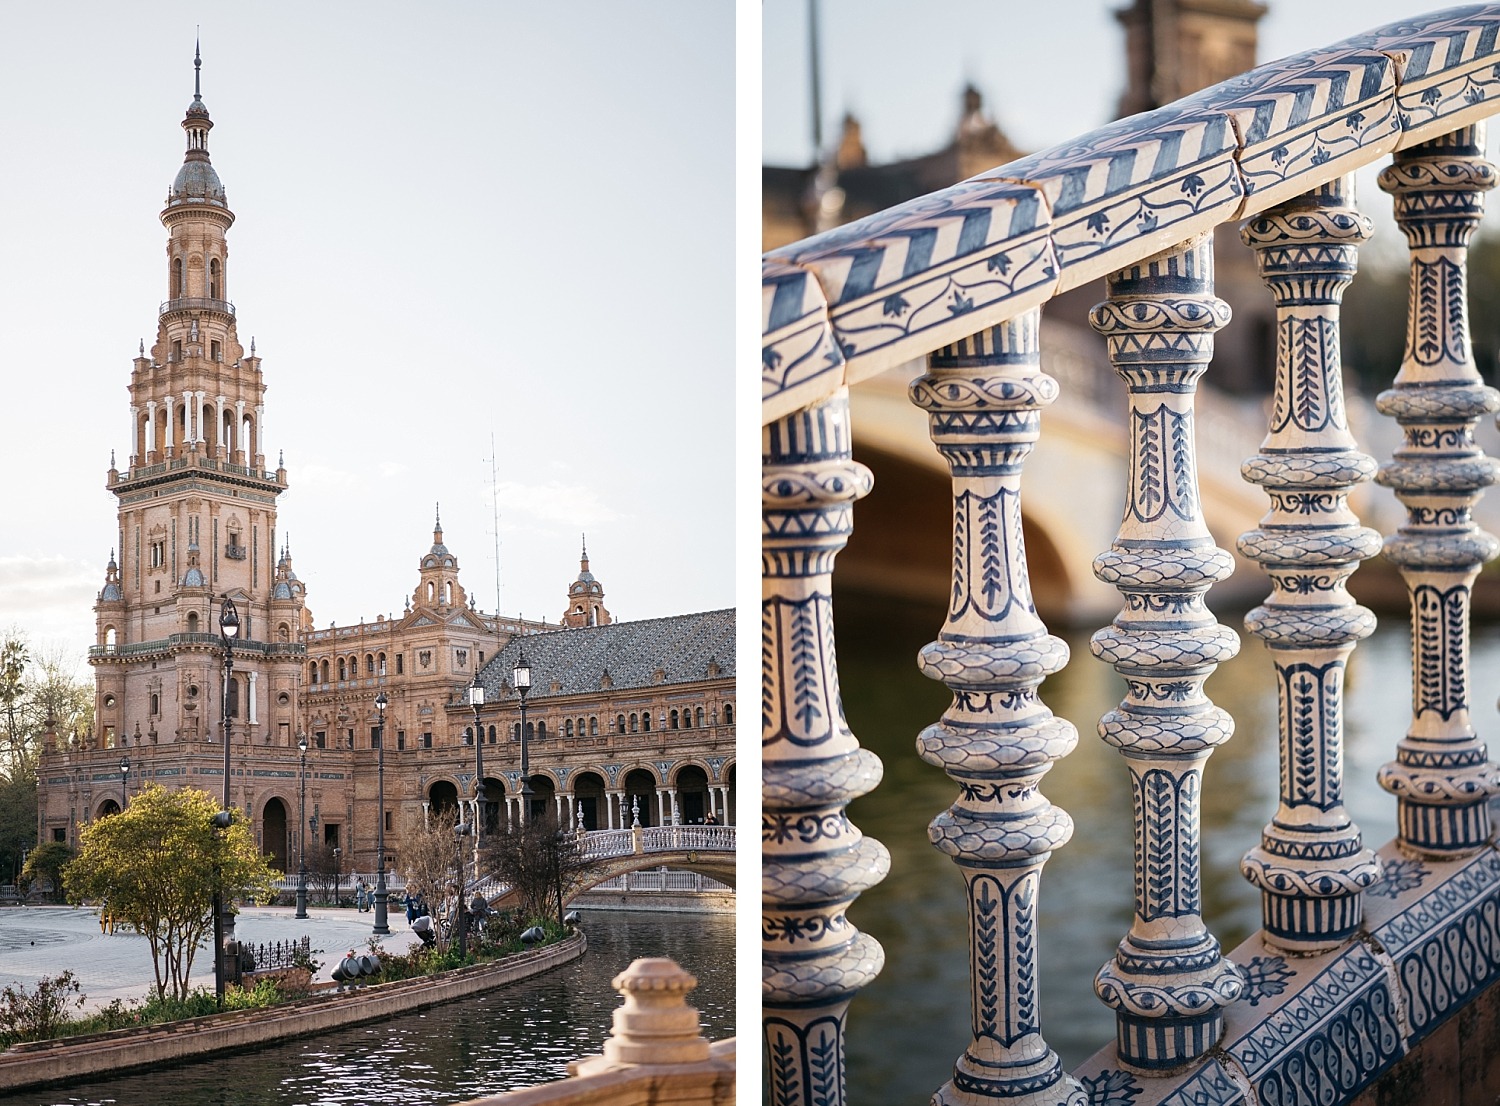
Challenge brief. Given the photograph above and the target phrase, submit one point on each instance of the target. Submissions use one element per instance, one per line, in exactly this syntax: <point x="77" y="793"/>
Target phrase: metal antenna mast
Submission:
<point x="495" y="502"/>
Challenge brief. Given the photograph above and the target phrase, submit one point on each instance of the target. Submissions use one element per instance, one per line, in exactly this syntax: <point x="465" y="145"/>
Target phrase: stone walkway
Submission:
<point x="38" y="941"/>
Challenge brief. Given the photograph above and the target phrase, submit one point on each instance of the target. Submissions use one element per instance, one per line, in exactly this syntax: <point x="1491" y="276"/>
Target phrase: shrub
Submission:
<point x="37" y="1015"/>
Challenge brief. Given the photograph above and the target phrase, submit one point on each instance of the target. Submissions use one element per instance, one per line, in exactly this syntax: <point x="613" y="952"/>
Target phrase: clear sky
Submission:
<point x="1048" y="71"/>
<point x="454" y="222"/>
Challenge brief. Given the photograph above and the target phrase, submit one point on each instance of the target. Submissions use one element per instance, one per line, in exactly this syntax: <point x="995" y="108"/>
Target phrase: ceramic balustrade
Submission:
<point x="1311" y="866"/>
<point x="814" y="860"/>
<point x="959" y="276"/>
<point x="983" y="397"/>
<point x="1442" y="777"/>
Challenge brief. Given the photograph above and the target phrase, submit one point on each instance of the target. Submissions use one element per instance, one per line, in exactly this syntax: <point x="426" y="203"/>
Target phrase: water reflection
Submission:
<point x="917" y="913"/>
<point x="515" y="1037"/>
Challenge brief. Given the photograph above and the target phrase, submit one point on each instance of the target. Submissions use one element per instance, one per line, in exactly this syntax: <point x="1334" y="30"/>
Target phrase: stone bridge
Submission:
<point x="1372" y="965"/>
<point x="708" y="850"/>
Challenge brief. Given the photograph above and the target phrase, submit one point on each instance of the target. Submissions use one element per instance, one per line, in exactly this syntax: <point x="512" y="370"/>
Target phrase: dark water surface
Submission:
<point x="513" y="1037"/>
<point x="907" y="1028"/>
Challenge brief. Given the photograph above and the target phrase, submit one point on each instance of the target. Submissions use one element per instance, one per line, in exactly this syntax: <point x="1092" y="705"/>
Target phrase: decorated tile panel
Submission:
<point x="913" y="277"/>
<point x="1327" y="112"/>
<point x="1449" y="71"/>
<point x="1132" y="188"/>
<point x="1440" y="922"/>
<point x="800" y="361"/>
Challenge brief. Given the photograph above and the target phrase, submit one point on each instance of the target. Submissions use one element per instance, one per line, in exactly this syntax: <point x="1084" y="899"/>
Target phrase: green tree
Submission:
<point x="46" y="862"/>
<point x="36" y="689"/>
<point x="157" y="866"/>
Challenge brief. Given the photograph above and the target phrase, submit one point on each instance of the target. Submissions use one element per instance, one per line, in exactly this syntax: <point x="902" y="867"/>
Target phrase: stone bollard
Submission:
<point x="655" y="1025"/>
<point x="637" y="839"/>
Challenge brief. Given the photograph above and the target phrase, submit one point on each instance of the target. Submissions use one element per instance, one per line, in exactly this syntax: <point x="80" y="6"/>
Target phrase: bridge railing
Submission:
<point x="960" y="277"/>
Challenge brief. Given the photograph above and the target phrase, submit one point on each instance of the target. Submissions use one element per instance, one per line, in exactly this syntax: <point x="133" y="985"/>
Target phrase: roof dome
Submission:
<point x="196" y="180"/>
<point x="193" y="578"/>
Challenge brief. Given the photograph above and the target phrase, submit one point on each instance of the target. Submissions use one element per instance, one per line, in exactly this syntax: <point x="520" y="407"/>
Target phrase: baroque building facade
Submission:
<point x="625" y="721"/>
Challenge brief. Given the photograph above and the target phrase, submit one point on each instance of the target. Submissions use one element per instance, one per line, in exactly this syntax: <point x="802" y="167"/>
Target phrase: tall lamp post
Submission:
<point x="229" y="630"/>
<point x="124" y="782"/>
<point x="521" y="678"/>
<point x="476" y="700"/>
<point x="381" y="927"/>
<point x="302" y="829"/>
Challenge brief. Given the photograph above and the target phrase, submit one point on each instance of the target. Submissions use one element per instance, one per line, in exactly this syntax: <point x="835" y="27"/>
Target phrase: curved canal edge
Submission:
<point x="38" y="1063"/>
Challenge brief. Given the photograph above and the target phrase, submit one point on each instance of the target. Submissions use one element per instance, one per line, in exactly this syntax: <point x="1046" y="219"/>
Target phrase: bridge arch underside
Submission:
<point x="1072" y="497"/>
<point x="715" y="865"/>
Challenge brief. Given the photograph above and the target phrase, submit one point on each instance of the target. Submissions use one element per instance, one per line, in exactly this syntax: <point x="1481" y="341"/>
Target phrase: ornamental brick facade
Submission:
<point x="625" y="720"/>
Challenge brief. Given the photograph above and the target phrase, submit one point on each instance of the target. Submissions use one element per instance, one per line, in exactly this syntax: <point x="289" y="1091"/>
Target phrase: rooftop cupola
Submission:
<point x="196" y="182"/>
<point x="585" y="597"/>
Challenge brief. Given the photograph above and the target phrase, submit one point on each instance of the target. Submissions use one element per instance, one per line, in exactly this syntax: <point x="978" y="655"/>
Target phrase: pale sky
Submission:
<point x="453" y="220"/>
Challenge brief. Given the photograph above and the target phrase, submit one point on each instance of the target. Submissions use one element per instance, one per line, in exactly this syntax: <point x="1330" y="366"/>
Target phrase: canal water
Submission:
<point x="513" y="1037"/>
<point x="912" y="1022"/>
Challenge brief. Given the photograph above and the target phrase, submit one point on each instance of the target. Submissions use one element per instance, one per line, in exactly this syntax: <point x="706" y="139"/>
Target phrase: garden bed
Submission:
<point x="68" y="1059"/>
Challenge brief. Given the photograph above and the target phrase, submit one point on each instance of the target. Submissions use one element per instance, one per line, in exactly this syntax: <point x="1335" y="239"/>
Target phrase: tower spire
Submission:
<point x="197" y="65"/>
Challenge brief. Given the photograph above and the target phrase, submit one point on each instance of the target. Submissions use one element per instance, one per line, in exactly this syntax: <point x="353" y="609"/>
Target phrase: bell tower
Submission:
<point x="585" y="597"/>
<point x="196" y="506"/>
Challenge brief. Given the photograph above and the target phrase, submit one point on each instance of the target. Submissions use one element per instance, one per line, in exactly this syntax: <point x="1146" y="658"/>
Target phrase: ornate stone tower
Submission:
<point x="438" y="584"/>
<point x="197" y="510"/>
<point x="585" y="597"/>
<point x="1173" y="48"/>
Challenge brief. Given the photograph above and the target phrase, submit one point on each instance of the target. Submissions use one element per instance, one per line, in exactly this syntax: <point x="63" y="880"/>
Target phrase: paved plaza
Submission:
<point x="38" y="941"/>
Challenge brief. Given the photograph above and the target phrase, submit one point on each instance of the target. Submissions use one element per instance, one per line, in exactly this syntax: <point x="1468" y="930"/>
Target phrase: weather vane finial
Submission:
<point x="197" y="64"/>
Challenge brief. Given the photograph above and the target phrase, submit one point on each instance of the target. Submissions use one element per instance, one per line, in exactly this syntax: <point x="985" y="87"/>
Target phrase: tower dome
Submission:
<point x="196" y="182"/>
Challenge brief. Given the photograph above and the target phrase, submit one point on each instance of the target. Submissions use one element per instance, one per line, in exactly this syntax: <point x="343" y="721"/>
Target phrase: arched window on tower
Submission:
<point x="593" y="725"/>
<point x="312" y="672"/>
<point x="177" y="284"/>
<point x="342" y="670"/>
<point x="699" y="722"/>
<point x="213" y="279"/>
<point x="192" y="622"/>
<point x="325" y="670"/>
<point x="380" y="663"/>
<point x="728" y="714"/>
<point x="674" y="720"/>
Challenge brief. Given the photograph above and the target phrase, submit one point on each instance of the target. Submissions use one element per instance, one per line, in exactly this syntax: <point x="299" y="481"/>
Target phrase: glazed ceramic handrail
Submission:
<point x="960" y="277"/>
<point x="840" y="307"/>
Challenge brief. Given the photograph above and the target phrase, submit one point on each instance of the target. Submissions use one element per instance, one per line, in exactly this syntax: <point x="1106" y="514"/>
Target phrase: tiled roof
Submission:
<point x="631" y="652"/>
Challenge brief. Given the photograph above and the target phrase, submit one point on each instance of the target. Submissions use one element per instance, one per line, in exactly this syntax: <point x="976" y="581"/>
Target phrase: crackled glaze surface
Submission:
<point x="984" y="397"/>
<point x="814" y="860"/>
<point x="1168" y="984"/>
<point x="1311" y="866"/>
<point x="1442" y="777"/>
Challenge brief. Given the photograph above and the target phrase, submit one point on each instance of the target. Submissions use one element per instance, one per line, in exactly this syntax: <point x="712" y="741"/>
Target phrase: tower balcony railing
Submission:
<point x="201" y="303"/>
<point x="1363" y="953"/>
<point x="174" y="641"/>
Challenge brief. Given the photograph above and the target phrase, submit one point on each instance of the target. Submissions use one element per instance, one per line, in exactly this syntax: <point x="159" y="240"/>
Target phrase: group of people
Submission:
<point x="420" y="918"/>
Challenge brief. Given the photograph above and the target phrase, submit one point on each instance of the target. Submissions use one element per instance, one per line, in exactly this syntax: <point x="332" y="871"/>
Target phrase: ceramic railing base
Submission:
<point x="1315" y="1030"/>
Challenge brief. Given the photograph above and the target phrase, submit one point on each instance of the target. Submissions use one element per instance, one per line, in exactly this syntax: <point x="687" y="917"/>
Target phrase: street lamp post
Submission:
<point x="338" y="874"/>
<point x="381" y="927"/>
<point x="124" y="782"/>
<point x="302" y="829"/>
<point x="476" y="700"/>
<point x="229" y="630"/>
<point x="521" y="677"/>
<point x="460" y="913"/>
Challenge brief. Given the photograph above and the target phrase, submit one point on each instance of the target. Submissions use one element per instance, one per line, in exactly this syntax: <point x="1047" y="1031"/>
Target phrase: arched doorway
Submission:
<point x="442" y="802"/>
<point x="588" y="799"/>
<point x="543" y="793"/>
<point x="640" y="796"/>
<point x="273" y="835"/>
<point x="731" y="799"/>
<point x="107" y="808"/>
<point x="494" y="804"/>
<point x="692" y="795"/>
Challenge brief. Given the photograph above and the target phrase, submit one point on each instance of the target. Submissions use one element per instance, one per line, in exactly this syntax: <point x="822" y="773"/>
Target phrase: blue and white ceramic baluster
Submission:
<point x="1441" y="777"/>
<point x="1312" y="866"/>
<point x="1168" y="983"/>
<point x="984" y="397"/>
<point x="814" y="861"/>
